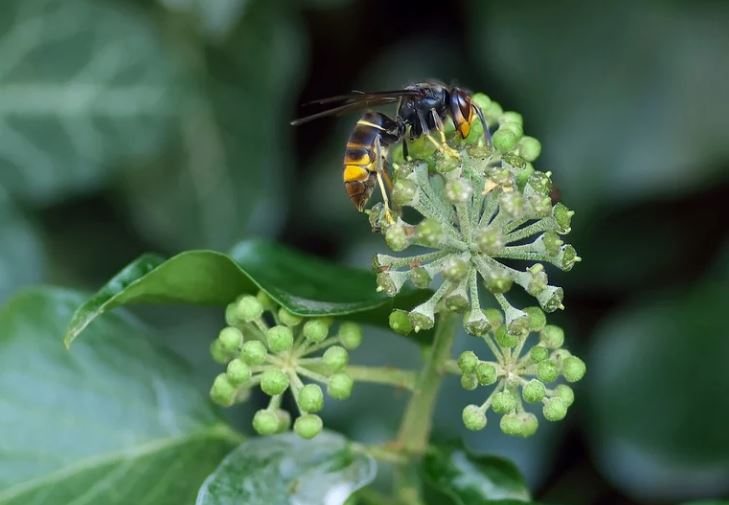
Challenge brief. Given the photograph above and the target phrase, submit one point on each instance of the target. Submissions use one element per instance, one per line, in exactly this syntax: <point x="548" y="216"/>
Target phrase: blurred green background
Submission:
<point x="128" y="126"/>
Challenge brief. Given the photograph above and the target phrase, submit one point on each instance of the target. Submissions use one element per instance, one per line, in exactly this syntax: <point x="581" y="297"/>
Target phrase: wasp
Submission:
<point x="422" y="109"/>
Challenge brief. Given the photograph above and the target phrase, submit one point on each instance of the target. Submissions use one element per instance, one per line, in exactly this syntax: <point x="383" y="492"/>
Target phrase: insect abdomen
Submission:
<point x="360" y="159"/>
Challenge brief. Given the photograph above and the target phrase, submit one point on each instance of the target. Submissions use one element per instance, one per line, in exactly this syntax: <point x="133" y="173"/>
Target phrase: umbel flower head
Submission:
<point x="282" y="356"/>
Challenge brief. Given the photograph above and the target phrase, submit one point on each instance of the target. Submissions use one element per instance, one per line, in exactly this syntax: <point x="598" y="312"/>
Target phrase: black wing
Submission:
<point x="356" y="100"/>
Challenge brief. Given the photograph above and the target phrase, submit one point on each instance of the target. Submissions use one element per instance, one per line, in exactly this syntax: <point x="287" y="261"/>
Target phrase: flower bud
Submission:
<point x="474" y="418"/>
<point x="400" y="322"/>
<point x="403" y="192"/>
<point x="340" y="386"/>
<point x="540" y="183"/>
<point x="498" y="282"/>
<point x="493" y="112"/>
<point x="537" y="319"/>
<point x="230" y="339"/>
<point x="513" y="204"/>
<point x="539" y="206"/>
<point x="495" y="317"/>
<point x="350" y="335"/>
<point x="287" y="318"/>
<point x="457" y="299"/>
<point x="511" y="117"/>
<point x="390" y="281"/>
<point x="554" y="409"/>
<point x="504" y="338"/>
<point x="422" y="317"/>
<point x="315" y="330"/>
<point x="469" y="382"/>
<point x="396" y="237"/>
<point x="475" y="322"/>
<point x="547" y="371"/>
<point x="510" y="424"/>
<point x="248" y="309"/>
<point x="266" y="422"/>
<point x="420" y="277"/>
<point x="219" y="354"/>
<point x="253" y="352"/>
<point x="284" y="420"/>
<point x="503" y="402"/>
<point x="573" y="369"/>
<point x="467" y="362"/>
<point x="523" y="424"/>
<point x="458" y="191"/>
<point x="311" y="398"/>
<point x="552" y="337"/>
<point x="308" y="426"/>
<point x="266" y="301"/>
<point x="335" y="358"/>
<point x="565" y="394"/>
<point x="552" y="243"/>
<point x="481" y="100"/>
<point x="533" y="391"/>
<point x="230" y="316"/>
<point x="238" y="372"/>
<point x="455" y="269"/>
<point x="522" y="177"/>
<point x="551" y="298"/>
<point x="505" y="139"/>
<point x="429" y="233"/>
<point x="517" y="322"/>
<point x="274" y="382"/>
<point x="537" y="279"/>
<point x="563" y="217"/>
<point x="567" y="258"/>
<point x="529" y="148"/>
<point x="486" y="373"/>
<point x="222" y="391"/>
<point x="489" y="241"/>
<point x="538" y="353"/>
<point x="446" y="164"/>
<point x="280" y="339"/>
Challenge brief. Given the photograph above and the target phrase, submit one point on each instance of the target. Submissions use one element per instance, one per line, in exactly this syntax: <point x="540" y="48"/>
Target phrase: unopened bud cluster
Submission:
<point x="520" y="374"/>
<point x="266" y="346"/>
<point x="480" y="205"/>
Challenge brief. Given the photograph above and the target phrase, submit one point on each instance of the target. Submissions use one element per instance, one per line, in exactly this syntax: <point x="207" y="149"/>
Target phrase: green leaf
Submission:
<point x="470" y="479"/>
<point x="84" y="86"/>
<point x="657" y="391"/>
<point x="116" y="421"/>
<point x="286" y="469"/>
<point x="304" y="285"/>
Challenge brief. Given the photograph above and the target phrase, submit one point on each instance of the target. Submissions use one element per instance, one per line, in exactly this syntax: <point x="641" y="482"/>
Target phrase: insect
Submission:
<point x="421" y="109"/>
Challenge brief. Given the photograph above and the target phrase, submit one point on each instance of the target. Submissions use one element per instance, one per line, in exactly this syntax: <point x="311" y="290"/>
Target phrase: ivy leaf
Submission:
<point x="115" y="421"/>
<point x="286" y="469"/>
<point x="302" y="284"/>
<point x="469" y="479"/>
<point x="84" y="86"/>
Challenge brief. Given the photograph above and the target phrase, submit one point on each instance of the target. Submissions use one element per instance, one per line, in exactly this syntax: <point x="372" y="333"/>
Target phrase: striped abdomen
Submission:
<point x="371" y="137"/>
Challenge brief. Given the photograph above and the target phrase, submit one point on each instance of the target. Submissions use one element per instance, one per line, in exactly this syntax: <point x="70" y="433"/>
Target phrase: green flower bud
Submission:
<point x="287" y="318"/>
<point x="446" y="164"/>
<point x="429" y="233"/>
<point x="253" y="352"/>
<point x="552" y="337"/>
<point x="475" y="322"/>
<point x="505" y="139"/>
<point x="498" y="282"/>
<point x="335" y="358"/>
<point x="266" y="422"/>
<point x="457" y="299"/>
<point x="469" y="382"/>
<point x="523" y="175"/>
<point x="529" y="148"/>
<point x="533" y="391"/>
<point x="503" y="402"/>
<point x="573" y="369"/>
<point x="284" y="420"/>
<point x="565" y="394"/>
<point x="489" y="241"/>
<point x="311" y="398"/>
<point x="529" y="424"/>
<point x="560" y="355"/>
<point x="511" y="117"/>
<point x="552" y="243"/>
<point x="403" y="192"/>
<point x="238" y="372"/>
<point x="538" y="353"/>
<point x="474" y="418"/>
<point x="481" y="100"/>
<point x="510" y="424"/>
<point x="274" y="382"/>
<point x="554" y="409"/>
<point x="316" y="330"/>
<point x="266" y="301"/>
<point x="547" y="371"/>
<point x="467" y="362"/>
<point x="421" y="148"/>
<point x="422" y="317"/>
<point x="537" y="279"/>
<point x="400" y="322"/>
<point x="280" y="339"/>
<point x="563" y="217"/>
<point x="539" y="206"/>
<point x="230" y="339"/>
<point x="517" y="322"/>
<point x="390" y="281"/>
<point x="504" y="338"/>
<point x="455" y="269"/>
<point x="568" y="257"/>
<point x="537" y="319"/>
<point x="219" y="354"/>
<point x="340" y="386"/>
<point x="493" y="112"/>
<point x="308" y="426"/>
<point x="513" y="204"/>
<point x="350" y="335"/>
<point x="495" y="317"/>
<point x="551" y="298"/>
<point x="458" y="191"/>
<point x="248" y="308"/>
<point x="397" y="237"/>
<point x="420" y="277"/>
<point x="486" y="373"/>
<point x="222" y="391"/>
<point x="230" y="317"/>
<point x="540" y="183"/>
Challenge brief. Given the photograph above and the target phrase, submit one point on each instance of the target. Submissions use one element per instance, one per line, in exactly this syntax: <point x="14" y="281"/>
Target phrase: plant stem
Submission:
<point x="417" y="421"/>
<point x="383" y="375"/>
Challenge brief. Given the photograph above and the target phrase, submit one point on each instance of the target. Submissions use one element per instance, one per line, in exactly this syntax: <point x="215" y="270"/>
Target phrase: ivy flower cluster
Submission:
<point x="289" y="354"/>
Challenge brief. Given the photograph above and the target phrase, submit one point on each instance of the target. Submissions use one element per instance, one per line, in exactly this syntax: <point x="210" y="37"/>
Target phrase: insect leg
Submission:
<point x="442" y="145"/>
<point x="379" y="167"/>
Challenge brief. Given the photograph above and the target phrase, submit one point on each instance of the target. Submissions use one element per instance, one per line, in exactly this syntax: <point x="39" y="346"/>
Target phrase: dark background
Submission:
<point x="629" y="100"/>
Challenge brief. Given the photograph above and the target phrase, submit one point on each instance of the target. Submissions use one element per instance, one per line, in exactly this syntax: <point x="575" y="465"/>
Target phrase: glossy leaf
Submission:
<point x="115" y="421"/>
<point x="658" y="389"/>
<point x="470" y="479"/>
<point x="304" y="285"/>
<point x="84" y="85"/>
<point x="286" y="469"/>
